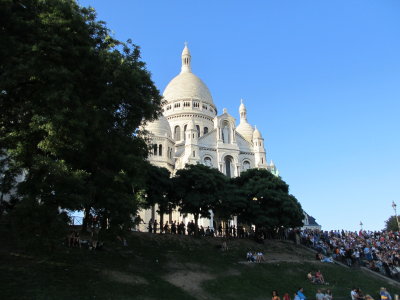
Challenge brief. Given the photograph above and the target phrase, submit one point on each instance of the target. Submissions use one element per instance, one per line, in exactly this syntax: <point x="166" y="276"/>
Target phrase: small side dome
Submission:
<point x="257" y="134"/>
<point x="159" y="127"/>
<point x="246" y="130"/>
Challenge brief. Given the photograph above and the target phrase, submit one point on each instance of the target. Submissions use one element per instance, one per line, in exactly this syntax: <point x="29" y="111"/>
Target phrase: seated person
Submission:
<point x="286" y="297"/>
<point x="327" y="259"/>
<point x="275" y="296"/>
<point x="319" y="295"/>
<point x="319" y="277"/>
<point x="260" y="256"/>
<point x="250" y="256"/>
<point x="310" y="277"/>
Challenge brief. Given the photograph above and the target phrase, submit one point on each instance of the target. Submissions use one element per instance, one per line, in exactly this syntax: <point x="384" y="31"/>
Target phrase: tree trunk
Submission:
<point x="85" y="220"/>
<point x="161" y="221"/>
<point x="196" y="223"/>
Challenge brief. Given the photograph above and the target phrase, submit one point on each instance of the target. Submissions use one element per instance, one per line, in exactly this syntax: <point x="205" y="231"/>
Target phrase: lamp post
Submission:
<point x="395" y="215"/>
<point x="361" y="224"/>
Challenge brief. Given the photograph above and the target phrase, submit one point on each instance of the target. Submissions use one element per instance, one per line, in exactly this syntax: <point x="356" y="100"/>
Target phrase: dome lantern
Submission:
<point x="242" y="111"/>
<point x="186" y="59"/>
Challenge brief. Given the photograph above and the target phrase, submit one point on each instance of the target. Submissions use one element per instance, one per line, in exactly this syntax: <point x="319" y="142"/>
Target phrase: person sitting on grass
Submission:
<point x="250" y="257"/>
<point x="275" y="295"/>
<point x="319" y="278"/>
<point x="319" y="295"/>
<point x="353" y="294"/>
<point x="385" y="294"/>
<point x="359" y="294"/>
<point x="300" y="294"/>
<point x="328" y="295"/>
<point x="260" y="256"/>
<point x="286" y="297"/>
<point x="310" y="277"/>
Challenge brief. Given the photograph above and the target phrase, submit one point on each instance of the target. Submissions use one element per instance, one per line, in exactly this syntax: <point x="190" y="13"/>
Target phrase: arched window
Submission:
<point x="208" y="161"/>
<point x="160" y="150"/>
<point x="198" y="130"/>
<point x="177" y="133"/>
<point x="154" y="149"/>
<point x="205" y="130"/>
<point x="226" y="133"/>
<point x="246" y="165"/>
<point x="184" y="131"/>
<point x="228" y="166"/>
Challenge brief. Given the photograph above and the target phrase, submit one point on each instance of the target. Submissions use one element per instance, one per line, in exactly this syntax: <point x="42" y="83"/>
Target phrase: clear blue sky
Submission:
<point x="320" y="79"/>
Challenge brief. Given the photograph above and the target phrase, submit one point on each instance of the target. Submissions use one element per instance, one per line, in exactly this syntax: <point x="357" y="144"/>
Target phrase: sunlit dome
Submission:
<point x="159" y="127"/>
<point x="256" y="134"/>
<point x="246" y="130"/>
<point x="187" y="85"/>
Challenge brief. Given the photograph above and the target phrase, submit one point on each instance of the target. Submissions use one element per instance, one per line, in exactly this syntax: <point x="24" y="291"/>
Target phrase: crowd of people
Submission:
<point x="378" y="251"/>
<point x="178" y="228"/>
<point x="174" y="227"/>
<point x="299" y="295"/>
<point x="355" y="294"/>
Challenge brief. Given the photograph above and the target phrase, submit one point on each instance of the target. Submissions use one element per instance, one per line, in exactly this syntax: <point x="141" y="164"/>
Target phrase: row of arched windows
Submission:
<point x="188" y="104"/>
<point x="177" y="132"/>
<point x="157" y="150"/>
<point x="228" y="164"/>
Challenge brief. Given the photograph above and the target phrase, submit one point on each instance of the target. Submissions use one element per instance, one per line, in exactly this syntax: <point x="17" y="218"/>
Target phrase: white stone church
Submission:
<point x="190" y="131"/>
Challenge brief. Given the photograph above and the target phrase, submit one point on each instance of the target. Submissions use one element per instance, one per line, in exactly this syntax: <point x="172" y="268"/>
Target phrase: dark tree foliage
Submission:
<point x="392" y="224"/>
<point x="158" y="190"/>
<point x="230" y="202"/>
<point x="268" y="202"/>
<point x="71" y="100"/>
<point x="197" y="190"/>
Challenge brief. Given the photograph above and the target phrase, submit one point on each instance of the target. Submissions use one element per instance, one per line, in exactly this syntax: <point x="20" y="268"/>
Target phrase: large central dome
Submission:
<point x="186" y="85"/>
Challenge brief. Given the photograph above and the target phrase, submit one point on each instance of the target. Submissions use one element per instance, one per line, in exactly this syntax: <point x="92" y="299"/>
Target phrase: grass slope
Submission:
<point x="166" y="267"/>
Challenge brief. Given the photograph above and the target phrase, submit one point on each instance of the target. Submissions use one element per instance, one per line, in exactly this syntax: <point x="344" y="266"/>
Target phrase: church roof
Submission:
<point x="312" y="221"/>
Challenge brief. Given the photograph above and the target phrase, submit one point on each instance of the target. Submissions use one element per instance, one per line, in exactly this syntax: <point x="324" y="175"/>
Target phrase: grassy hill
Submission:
<point x="154" y="267"/>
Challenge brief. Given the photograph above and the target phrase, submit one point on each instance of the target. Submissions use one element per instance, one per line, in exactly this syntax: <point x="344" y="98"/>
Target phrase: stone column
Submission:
<point x="211" y="220"/>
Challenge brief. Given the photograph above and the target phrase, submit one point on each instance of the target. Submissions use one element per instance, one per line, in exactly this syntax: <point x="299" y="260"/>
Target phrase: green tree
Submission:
<point x="158" y="189"/>
<point x="197" y="189"/>
<point x="391" y="224"/>
<point x="269" y="204"/>
<point x="71" y="100"/>
<point x="231" y="202"/>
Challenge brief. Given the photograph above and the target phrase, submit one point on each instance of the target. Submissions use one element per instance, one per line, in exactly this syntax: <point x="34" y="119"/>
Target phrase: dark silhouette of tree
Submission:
<point x="197" y="190"/>
<point x="158" y="191"/>
<point x="71" y="100"/>
<point x="268" y="202"/>
<point x="391" y="224"/>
